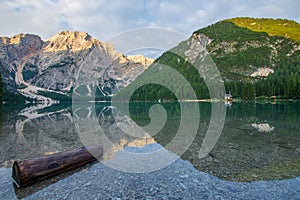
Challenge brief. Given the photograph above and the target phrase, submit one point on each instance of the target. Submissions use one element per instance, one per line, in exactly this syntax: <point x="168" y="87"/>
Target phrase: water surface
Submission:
<point x="259" y="141"/>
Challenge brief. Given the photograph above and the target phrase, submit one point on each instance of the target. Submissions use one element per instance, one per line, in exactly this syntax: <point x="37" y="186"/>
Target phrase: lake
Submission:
<point x="247" y="149"/>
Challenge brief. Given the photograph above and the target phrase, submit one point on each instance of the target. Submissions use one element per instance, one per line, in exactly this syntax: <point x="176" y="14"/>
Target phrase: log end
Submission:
<point x="16" y="174"/>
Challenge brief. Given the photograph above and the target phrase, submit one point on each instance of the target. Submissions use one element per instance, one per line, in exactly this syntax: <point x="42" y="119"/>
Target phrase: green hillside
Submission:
<point x="274" y="27"/>
<point x="238" y="53"/>
<point x="246" y="50"/>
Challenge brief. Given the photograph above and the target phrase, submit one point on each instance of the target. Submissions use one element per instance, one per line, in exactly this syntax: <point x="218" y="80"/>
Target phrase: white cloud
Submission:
<point x="104" y="18"/>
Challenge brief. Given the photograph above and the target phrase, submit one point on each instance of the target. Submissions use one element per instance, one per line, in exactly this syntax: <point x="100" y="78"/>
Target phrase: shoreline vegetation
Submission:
<point x="258" y="99"/>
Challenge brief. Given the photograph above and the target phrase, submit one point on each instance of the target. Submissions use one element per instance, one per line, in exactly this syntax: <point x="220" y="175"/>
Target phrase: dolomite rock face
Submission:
<point x="73" y="41"/>
<point x="263" y="127"/>
<point x="262" y="72"/>
<point x="121" y="72"/>
<point x="197" y="47"/>
<point x="30" y="65"/>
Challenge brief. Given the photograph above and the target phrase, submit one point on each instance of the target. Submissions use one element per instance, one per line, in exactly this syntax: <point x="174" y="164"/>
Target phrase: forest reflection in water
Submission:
<point x="259" y="141"/>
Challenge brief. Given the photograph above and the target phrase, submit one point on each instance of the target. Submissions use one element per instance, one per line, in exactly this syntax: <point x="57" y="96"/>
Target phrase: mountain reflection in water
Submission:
<point x="244" y="151"/>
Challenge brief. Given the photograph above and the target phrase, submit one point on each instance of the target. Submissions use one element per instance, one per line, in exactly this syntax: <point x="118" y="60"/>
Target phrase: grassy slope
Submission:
<point x="228" y="31"/>
<point x="274" y="27"/>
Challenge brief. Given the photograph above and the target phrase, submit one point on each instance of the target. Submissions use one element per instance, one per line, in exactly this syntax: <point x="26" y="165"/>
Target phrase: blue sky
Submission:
<point x="106" y="18"/>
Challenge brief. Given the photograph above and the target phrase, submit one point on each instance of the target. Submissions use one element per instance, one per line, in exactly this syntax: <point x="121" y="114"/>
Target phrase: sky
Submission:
<point x="104" y="19"/>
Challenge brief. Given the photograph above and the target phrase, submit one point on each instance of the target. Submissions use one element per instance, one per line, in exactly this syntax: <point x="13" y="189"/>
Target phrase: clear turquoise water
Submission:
<point x="245" y="146"/>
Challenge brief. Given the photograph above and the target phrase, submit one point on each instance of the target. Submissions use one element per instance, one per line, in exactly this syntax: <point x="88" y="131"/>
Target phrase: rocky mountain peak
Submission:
<point x="70" y="40"/>
<point x="14" y="49"/>
<point x="22" y="39"/>
<point x="40" y="69"/>
<point x="140" y="59"/>
<point x="13" y="40"/>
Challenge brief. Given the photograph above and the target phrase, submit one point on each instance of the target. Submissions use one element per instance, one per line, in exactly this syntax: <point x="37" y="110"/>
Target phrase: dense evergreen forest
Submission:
<point x="284" y="83"/>
<point x="1" y="88"/>
<point x="8" y="96"/>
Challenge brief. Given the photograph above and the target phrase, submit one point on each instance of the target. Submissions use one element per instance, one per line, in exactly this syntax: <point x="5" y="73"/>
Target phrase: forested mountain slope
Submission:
<point x="256" y="58"/>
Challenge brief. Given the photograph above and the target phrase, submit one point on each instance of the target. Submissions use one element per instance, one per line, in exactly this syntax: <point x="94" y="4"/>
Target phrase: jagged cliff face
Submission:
<point x="121" y="72"/>
<point x="30" y="65"/>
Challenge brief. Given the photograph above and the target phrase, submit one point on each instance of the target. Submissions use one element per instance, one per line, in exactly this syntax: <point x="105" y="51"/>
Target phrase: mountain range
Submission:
<point x="51" y="70"/>
<point x="256" y="57"/>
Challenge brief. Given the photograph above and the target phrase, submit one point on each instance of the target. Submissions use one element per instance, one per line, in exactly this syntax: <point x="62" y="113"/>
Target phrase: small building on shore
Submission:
<point x="228" y="97"/>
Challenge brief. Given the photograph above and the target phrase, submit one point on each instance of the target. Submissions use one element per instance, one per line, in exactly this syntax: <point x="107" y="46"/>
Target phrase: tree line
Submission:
<point x="1" y="88"/>
<point x="284" y="83"/>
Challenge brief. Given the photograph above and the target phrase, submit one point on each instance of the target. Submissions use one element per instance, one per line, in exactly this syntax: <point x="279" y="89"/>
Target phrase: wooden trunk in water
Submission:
<point x="34" y="170"/>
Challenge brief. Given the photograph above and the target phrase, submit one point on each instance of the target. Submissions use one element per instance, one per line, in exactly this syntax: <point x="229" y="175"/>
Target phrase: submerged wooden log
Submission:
<point x="33" y="170"/>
